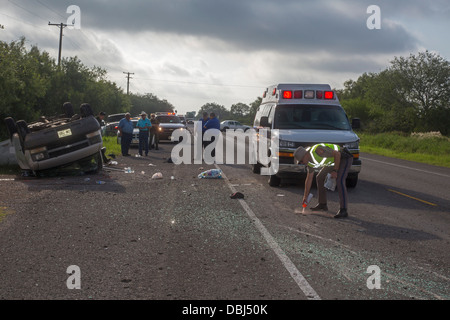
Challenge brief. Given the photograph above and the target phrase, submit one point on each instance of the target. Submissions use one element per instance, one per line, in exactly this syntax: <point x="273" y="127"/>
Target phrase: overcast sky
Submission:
<point x="191" y="52"/>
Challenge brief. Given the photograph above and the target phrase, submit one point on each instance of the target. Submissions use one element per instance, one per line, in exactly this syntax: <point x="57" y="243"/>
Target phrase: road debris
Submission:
<point x="211" y="174"/>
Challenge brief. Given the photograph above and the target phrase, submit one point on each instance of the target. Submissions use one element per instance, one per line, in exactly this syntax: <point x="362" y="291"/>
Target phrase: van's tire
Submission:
<point x="274" y="181"/>
<point x="86" y="110"/>
<point x="68" y="110"/>
<point x="11" y="126"/>
<point x="22" y="128"/>
<point x="256" y="168"/>
<point x="352" y="180"/>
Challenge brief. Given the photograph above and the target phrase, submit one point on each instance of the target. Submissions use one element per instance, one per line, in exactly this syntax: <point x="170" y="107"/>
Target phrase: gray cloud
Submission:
<point x="252" y="25"/>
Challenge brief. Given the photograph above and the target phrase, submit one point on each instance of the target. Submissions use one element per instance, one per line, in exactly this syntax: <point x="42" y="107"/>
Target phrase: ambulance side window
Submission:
<point x="258" y="117"/>
<point x="271" y="115"/>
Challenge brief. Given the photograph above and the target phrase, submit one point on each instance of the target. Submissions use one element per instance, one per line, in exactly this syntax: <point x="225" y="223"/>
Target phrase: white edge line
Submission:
<point x="405" y="167"/>
<point x="303" y="284"/>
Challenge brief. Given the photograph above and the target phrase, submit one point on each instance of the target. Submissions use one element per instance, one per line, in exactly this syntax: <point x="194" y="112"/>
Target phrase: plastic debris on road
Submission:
<point x="211" y="174"/>
<point x="128" y="170"/>
<point x="157" y="175"/>
<point x="330" y="183"/>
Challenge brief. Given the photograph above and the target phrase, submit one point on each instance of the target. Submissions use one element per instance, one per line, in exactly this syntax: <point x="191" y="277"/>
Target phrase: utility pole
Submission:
<point x="61" y="26"/>
<point x="128" y="81"/>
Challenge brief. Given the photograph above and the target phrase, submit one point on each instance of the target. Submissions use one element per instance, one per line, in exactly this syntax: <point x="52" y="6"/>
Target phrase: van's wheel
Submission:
<point x="274" y="181"/>
<point x="86" y="110"/>
<point x="256" y="168"/>
<point x="68" y="110"/>
<point x="351" y="181"/>
<point x="11" y="126"/>
<point x="22" y="128"/>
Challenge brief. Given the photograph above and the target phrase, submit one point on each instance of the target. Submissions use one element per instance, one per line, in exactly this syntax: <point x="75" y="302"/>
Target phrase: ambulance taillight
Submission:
<point x="287" y="94"/>
<point x="329" y="95"/>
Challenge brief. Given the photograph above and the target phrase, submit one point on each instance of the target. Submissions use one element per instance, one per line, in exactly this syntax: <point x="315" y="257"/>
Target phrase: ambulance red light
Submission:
<point x="274" y="91"/>
<point x="287" y="94"/>
<point x="319" y="94"/>
<point x="298" y="94"/>
<point x="329" y="95"/>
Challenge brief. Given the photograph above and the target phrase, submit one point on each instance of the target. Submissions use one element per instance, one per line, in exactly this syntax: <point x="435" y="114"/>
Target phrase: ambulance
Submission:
<point x="304" y="115"/>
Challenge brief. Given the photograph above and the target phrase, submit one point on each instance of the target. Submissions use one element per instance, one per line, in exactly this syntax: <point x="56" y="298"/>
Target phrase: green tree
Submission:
<point x="221" y="112"/>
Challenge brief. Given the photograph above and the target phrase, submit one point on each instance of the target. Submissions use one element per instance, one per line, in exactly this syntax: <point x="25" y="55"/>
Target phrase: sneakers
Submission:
<point x="320" y="206"/>
<point x="342" y="213"/>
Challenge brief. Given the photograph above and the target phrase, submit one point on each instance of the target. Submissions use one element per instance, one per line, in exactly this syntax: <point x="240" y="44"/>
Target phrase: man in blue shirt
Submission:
<point x="212" y="123"/>
<point x="126" y="133"/>
<point x="144" y="125"/>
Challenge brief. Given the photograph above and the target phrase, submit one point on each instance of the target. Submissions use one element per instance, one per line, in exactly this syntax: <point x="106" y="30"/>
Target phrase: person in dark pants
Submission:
<point x="204" y="120"/>
<point x="212" y="123"/>
<point x="126" y="133"/>
<point x="329" y="158"/>
<point x="154" y="133"/>
<point x="144" y="125"/>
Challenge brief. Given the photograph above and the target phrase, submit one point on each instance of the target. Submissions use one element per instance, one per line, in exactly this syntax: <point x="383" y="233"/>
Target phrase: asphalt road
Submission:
<point x="185" y="239"/>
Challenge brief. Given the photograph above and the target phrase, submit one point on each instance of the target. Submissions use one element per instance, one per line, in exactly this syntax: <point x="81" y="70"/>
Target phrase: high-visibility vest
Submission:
<point x="318" y="161"/>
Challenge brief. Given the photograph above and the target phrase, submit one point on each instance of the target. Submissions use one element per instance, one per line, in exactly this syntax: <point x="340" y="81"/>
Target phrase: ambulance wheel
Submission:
<point x="256" y="168"/>
<point x="11" y="126"/>
<point x="274" y="181"/>
<point x="352" y="180"/>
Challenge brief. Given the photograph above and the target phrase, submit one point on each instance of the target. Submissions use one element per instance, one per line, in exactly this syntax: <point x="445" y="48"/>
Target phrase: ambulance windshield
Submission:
<point x="321" y="117"/>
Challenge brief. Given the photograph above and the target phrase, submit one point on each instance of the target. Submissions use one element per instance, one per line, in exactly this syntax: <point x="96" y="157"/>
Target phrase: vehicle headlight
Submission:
<point x="39" y="154"/>
<point x="94" y="137"/>
<point x="286" y="144"/>
<point x="352" y="145"/>
<point x="160" y="129"/>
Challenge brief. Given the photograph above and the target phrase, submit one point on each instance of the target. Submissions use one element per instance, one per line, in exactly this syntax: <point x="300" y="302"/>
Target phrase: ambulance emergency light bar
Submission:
<point x="308" y="94"/>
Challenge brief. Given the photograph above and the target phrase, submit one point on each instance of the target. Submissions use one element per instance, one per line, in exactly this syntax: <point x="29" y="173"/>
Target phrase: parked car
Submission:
<point x="53" y="142"/>
<point x="233" y="125"/>
<point x="111" y="123"/>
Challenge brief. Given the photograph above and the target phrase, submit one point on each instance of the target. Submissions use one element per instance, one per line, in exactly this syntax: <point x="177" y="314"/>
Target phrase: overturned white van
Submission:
<point x="304" y="115"/>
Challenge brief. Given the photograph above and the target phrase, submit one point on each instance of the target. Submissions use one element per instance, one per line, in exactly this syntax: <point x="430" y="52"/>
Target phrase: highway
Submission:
<point x="183" y="238"/>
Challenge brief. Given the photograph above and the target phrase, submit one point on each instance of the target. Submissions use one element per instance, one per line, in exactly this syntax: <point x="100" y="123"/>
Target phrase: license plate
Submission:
<point x="64" y="133"/>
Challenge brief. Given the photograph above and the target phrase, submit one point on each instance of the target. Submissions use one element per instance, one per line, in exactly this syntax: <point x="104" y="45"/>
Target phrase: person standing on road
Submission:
<point x="329" y="158"/>
<point x="154" y="132"/>
<point x="204" y="120"/>
<point x="212" y="123"/>
<point x="126" y="133"/>
<point x="144" y="125"/>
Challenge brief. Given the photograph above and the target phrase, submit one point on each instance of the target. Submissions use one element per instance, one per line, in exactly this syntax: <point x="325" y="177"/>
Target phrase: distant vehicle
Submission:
<point x="111" y="123"/>
<point x="135" y="139"/>
<point x="53" y="142"/>
<point x="233" y="125"/>
<point x="168" y="123"/>
<point x="182" y="118"/>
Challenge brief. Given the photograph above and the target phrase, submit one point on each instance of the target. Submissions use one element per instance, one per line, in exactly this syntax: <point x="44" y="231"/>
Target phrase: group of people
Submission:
<point x="148" y="132"/>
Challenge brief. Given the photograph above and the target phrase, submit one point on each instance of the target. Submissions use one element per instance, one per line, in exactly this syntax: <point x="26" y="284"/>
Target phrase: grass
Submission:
<point x="111" y="145"/>
<point x="430" y="148"/>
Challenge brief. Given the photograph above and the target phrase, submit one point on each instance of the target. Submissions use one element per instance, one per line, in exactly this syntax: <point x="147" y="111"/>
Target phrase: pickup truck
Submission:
<point x="60" y="141"/>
